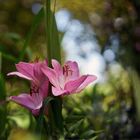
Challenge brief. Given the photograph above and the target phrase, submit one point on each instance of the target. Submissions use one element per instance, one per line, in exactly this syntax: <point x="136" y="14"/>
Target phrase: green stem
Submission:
<point x="40" y="124"/>
<point x="48" y="29"/>
<point x="53" y="52"/>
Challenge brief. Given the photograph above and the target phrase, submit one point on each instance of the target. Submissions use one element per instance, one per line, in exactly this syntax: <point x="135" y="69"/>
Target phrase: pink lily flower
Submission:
<point x="66" y="80"/>
<point x="39" y="85"/>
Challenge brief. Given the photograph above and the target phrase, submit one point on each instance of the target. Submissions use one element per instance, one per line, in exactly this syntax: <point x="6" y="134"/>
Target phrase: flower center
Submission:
<point x="67" y="70"/>
<point x="34" y="89"/>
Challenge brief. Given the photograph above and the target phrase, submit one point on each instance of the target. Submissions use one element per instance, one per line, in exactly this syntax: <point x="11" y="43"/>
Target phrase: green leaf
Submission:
<point x="2" y="88"/>
<point x="3" y="111"/>
<point x="75" y="126"/>
<point x="48" y="29"/>
<point x="52" y="37"/>
<point x="9" y="57"/>
<point x="6" y="54"/>
<point x="74" y="118"/>
<point x="38" y="18"/>
<point x="56" y="51"/>
<point x="89" y="134"/>
<point x="12" y="35"/>
<point x="94" y="138"/>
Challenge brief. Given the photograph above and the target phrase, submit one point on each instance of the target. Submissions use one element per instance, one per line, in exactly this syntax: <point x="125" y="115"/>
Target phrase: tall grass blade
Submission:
<point x="53" y="52"/>
<point x="48" y="29"/>
<point x="2" y="88"/>
<point x="38" y="18"/>
<point x="3" y="110"/>
<point x="52" y="38"/>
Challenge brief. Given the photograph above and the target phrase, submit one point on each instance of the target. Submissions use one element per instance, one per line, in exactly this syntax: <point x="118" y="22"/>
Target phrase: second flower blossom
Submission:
<point x="66" y="80"/>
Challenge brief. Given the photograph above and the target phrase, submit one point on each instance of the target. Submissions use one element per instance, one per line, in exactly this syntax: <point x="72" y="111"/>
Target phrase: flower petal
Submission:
<point x="58" y="92"/>
<point x="88" y="80"/>
<point x="20" y="75"/>
<point x="35" y="112"/>
<point x="43" y="90"/>
<point x="57" y="67"/>
<point x="50" y="73"/>
<point x="73" y="85"/>
<point x="37" y="72"/>
<point x="26" y="69"/>
<point x="30" y="102"/>
<point x="73" y="66"/>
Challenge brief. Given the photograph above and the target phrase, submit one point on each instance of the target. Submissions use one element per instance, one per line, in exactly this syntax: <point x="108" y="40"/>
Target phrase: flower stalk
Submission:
<point x="53" y="51"/>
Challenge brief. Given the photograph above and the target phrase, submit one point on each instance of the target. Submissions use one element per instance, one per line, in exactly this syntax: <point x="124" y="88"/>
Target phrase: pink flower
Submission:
<point x="39" y="85"/>
<point x="66" y="80"/>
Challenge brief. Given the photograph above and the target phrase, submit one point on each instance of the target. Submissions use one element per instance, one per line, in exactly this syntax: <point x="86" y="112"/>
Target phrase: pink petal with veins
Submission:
<point x="26" y="69"/>
<point x="20" y="75"/>
<point x="51" y="74"/>
<point x="43" y="90"/>
<point x="32" y="103"/>
<point x="57" y="67"/>
<point x="72" y="86"/>
<point x="87" y="81"/>
<point x="57" y="92"/>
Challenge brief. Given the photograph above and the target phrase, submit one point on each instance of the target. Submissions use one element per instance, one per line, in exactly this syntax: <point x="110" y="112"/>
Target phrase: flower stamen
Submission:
<point x="67" y="70"/>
